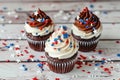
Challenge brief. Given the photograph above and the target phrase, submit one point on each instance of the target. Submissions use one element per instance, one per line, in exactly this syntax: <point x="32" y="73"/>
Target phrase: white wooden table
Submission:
<point x="101" y="64"/>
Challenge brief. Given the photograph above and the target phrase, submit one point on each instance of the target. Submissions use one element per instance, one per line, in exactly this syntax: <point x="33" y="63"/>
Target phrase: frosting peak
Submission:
<point x="61" y="44"/>
<point x="39" y="19"/>
<point x="87" y="21"/>
<point x="39" y="24"/>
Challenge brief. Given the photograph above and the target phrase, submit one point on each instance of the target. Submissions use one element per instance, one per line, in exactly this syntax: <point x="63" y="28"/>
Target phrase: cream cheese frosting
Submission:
<point x="61" y="45"/>
<point x="37" y="32"/>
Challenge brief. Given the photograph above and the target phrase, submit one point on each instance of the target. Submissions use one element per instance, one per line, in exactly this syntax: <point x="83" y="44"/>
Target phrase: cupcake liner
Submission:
<point x="86" y="46"/>
<point x="88" y="43"/>
<point x="61" y="66"/>
<point x="36" y="45"/>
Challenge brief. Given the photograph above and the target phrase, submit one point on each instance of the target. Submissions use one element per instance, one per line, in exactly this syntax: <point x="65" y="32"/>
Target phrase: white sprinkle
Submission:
<point x="18" y="60"/>
<point x="35" y="13"/>
<point x="11" y="48"/>
<point x="17" y="46"/>
<point x="9" y="21"/>
<point x="52" y="5"/>
<point x="2" y="19"/>
<point x="78" y="17"/>
<point x="97" y="12"/>
<point x="39" y="20"/>
<point x="16" y="16"/>
<point x="12" y="55"/>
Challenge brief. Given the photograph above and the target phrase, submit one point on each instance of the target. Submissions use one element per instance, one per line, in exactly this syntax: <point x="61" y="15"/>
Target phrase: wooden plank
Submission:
<point x="105" y="49"/>
<point x="58" y="17"/>
<point x="56" y="6"/>
<point x="110" y="31"/>
<point x="10" y="71"/>
<point x="55" y="0"/>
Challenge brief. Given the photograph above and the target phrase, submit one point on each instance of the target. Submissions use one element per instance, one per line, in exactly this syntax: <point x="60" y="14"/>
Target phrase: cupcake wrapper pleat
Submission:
<point x="61" y="67"/>
<point x="88" y="43"/>
<point x="36" y="45"/>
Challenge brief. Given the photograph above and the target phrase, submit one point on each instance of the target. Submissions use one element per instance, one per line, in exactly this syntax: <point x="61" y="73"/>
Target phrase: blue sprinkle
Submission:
<point x="19" y="8"/>
<point x="58" y="49"/>
<point x="84" y="22"/>
<point x="46" y="31"/>
<point x="25" y="69"/>
<point x="32" y="19"/>
<point x="81" y="20"/>
<point x="118" y="54"/>
<point x="91" y="6"/>
<point x="55" y="39"/>
<point x="93" y="17"/>
<point x="23" y="65"/>
<point x="86" y="19"/>
<point x="4" y="8"/>
<point x="47" y="17"/>
<point x="87" y="27"/>
<point x="64" y="27"/>
<point x="42" y="20"/>
<point x="52" y="44"/>
<point x="48" y="40"/>
<point x="105" y="12"/>
<point x="7" y="46"/>
<point x="61" y="40"/>
<point x="97" y="64"/>
<point x="59" y="37"/>
<point x="103" y="61"/>
<point x="70" y="43"/>
<point x="37" y="60"/>
<point x="40" y="65"/>
<point x="77" y="46"/>
<point x="42" y="69"/>
<point x="11" y="44"/>
<point x="70" y="46"/>
<point x="65" y="35"/>
<point x="36" y="33"/>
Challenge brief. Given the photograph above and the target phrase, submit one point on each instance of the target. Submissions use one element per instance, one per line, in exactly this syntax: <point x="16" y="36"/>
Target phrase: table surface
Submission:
<point x="101" y="64"/>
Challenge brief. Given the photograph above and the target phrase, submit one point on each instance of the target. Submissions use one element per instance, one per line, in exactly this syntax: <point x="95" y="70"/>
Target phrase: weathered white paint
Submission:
<point x="13" y="31"/>
<point x="60" y="5"/>
<point x="110" y="50"/>
<point x="10" y="71"/>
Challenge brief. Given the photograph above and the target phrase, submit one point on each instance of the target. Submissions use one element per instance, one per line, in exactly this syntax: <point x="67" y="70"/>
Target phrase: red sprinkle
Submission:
<point x="17" y="48"/>
<point x="117" y="41"/>
<point x="7" y="60"/>
<point x="106" y="69"/>
<point x="31" y="56"/>
<point x="67" y="41"/>
<point x="22" y="31"/>
<point x="88" y="72"/>
<point x="26" y="51"/>
<point x="83" y="70"/>
<point x="4" y="44"/>
<point x="83" y="57"/>
<point x="57" y="78"/>
<point x="35" y="78"/>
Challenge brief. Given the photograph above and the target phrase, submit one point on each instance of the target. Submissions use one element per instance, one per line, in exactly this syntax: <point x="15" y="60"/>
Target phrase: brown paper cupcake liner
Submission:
<point x="61" y="67"/>
<point x="36" y="45"/>
<point x="87" y="46"/>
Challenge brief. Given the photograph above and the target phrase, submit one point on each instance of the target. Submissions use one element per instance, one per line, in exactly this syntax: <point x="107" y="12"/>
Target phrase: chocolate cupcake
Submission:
<point x="87" y="30"/>
<point x="61" y="51"/>
<point x="38" y="28"/>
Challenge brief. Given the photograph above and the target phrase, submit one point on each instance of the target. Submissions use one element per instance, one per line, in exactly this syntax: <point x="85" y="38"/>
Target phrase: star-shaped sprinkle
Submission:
<point x="65" y="35"/>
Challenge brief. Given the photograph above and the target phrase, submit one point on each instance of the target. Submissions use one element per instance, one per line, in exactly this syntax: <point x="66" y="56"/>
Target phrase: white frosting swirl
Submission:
<point x="85" y="35"/>
<point x="37" y="32"/>
<point x="61" y="45"/>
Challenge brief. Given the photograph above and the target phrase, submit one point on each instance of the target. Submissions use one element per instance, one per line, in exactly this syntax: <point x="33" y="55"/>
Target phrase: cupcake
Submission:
<point x="38" y="28"/>
<point x="87" y="30"/>
<point x="61" y="51"/>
